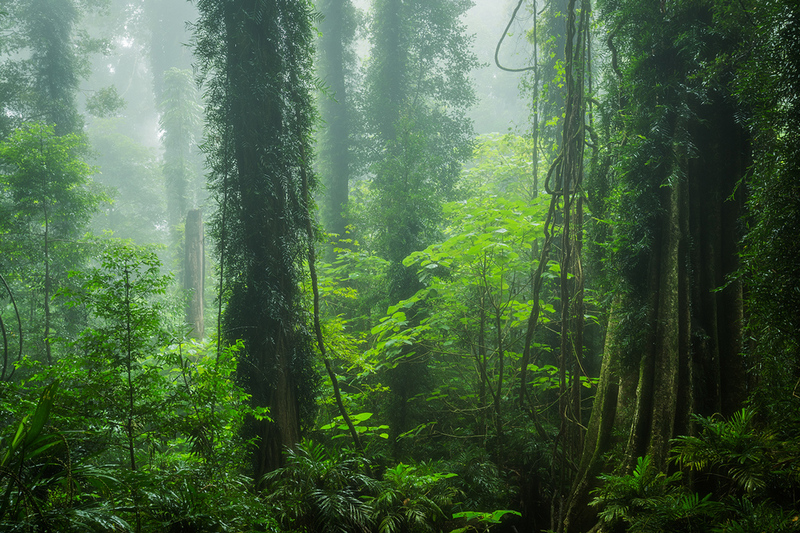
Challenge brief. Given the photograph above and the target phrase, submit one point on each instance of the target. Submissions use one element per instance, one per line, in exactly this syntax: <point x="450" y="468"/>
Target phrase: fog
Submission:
<point x="144" y="40"/>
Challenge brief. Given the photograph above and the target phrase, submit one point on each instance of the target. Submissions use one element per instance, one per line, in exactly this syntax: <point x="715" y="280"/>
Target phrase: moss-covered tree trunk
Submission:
<point x="649" y="395"/>
<point x="674" y="337"/>
<point x="260" y="116"/>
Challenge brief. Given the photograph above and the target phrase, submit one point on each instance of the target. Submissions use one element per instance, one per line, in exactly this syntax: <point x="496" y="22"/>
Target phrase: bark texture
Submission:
<point x="258" y="54"/>
<point x="674" y="339"/>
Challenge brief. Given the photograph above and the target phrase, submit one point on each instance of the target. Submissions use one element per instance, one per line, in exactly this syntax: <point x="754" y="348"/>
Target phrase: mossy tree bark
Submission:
<point x="674" y="338"/>
<point x="258" y="53"/>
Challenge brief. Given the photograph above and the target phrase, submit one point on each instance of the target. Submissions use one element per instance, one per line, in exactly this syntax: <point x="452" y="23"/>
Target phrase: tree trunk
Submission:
<point x="257" y="53"/>
<point x="688" y="360"/>
<point x="663" y="390"/>
<point x="599" y="433"/>
<point x="335" y="143"/>
<point x="193" y="270"/>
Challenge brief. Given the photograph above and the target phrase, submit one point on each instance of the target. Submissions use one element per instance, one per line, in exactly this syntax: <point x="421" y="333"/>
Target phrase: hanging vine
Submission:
<point x="568" y="444"/>
<point x="5" y="333"/>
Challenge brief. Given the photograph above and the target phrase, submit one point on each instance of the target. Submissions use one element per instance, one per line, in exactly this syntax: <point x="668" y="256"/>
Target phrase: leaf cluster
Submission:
<point x="325" y="489"/>
<point x="753" y="472"/>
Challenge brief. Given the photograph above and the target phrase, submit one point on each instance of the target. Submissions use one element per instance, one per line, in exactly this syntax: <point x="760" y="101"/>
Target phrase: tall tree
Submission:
<point x="256" y="55"/>
<point x="50" y="25"/>
<point x="168" y="22"/>
<point x="43" y="158"/>
<point x="768" y="69"/>
<point x="417" y="92"/>
<point x="43" y="60"/>
<point x="43" y="186"/>
<point x="674" y="339"/>
<point x="178" y="103"/>
<point x="418" y="89"/>
<point x="336" y="67"/>
<point x="180" y="120"/>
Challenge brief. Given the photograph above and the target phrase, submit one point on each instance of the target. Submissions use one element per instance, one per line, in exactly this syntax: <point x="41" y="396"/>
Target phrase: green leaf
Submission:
<point x="42" y="412"/>
<point x="15" y="442"/>
<point x="360" y="417"/>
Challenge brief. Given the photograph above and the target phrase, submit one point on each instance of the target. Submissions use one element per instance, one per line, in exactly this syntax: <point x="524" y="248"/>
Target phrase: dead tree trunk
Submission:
<point x="193" y="268"/>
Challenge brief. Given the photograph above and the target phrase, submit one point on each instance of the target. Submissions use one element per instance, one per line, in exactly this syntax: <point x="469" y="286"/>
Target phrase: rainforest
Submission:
<point x="399" y="266"/>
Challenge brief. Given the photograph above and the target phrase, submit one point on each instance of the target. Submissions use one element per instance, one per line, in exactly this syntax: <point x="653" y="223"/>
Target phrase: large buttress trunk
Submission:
<point x="690" y="360"/>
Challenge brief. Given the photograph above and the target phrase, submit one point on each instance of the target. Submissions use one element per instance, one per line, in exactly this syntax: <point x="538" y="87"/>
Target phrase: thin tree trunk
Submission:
<point x="193" y="269"/>
<point x="498" y="420"/>
<point x="129" y="367"/>
<point x="481" y="360"/>
<point x="337" y="394"/>
<point x="47" y="284"/>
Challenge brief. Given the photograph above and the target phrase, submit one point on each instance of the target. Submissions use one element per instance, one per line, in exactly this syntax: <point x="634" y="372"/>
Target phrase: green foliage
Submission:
<point x="648" y="500"/>
<point x="501" y="165"/>
<point x="413" y="499"/>
<point x="741" y="456"/>
<point x="106" y="102"/>
<point x="417" y="92"/>
<point x="207" y="406"/>
<point x="45" y="178"/>
<point x="768" y="62"/>
<point x="478" y="480"/>
<point x="122" y="296"/>
<point x="41" y="492"/>
<point x="147" y="435"/>
<point x="134" y="208"/>
<point x="188" y="500"/>
<point x="352" y="285"/>
<point x="482" y="269"/>
<point x="43" y="61"/>
<point x="21" y="445"/>
<point x="363" y="429"/>
<point x="46" y="200"/>
<point x="735" y="449"/>
<point x="754" y="473"/>
<point x="485" y="519"/>
<point x="322" y="490"/>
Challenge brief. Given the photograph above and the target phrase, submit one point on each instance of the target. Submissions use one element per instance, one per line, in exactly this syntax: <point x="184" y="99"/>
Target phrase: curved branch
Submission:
<point x="5" y="348"/>
<point x="614" y="52"/>
<point x="315" y="291"/>
<point x="5" y="343"/>
<point x="500" y="43"/>
<point x="533" y="318"/>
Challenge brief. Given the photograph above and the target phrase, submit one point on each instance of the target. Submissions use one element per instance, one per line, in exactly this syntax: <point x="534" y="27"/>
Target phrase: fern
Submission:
<point x="321" y="490"/>
<point x="736" y="450"/>
<point x="749" y="464"/>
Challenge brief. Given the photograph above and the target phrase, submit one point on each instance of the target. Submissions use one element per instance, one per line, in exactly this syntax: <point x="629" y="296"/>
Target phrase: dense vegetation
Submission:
<point x="586" y="322"/>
